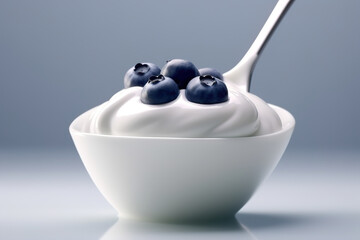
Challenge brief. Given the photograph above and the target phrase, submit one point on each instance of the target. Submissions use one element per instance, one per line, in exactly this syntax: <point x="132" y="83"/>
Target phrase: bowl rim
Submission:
<point x="287" y="120"/>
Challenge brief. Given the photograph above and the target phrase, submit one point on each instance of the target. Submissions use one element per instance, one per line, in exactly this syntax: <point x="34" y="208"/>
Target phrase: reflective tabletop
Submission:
<point x="47" y="194"/>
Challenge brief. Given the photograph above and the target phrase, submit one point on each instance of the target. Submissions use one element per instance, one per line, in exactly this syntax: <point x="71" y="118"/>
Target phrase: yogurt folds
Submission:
<point x="181" y="101"/>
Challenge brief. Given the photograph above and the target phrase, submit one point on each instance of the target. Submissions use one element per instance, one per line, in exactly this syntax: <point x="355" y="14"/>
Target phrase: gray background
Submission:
<point x="60" y="58"/>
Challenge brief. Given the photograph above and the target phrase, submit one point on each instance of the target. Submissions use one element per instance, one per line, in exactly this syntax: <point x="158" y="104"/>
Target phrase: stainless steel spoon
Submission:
<point x="242" y="72"/>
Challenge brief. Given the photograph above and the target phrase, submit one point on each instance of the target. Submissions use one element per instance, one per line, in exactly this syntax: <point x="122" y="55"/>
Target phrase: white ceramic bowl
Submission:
<point x="179" y="179"/>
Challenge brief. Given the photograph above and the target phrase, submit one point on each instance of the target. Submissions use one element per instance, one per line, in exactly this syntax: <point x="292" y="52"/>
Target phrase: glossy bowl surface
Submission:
<point x="179" y="179"/>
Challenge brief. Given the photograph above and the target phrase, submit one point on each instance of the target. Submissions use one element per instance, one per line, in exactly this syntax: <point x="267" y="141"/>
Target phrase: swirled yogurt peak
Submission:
<point x="179" y="102"/>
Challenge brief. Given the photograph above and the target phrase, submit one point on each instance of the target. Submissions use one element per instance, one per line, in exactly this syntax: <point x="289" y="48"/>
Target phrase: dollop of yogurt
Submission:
<point x="244" y="114"/>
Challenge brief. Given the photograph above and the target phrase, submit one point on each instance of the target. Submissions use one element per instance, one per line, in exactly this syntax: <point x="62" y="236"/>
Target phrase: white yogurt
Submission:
<point x="244" y="114"/>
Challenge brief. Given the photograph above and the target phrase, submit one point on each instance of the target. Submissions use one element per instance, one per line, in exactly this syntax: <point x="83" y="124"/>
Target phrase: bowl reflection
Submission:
<point x="133" y="229"/>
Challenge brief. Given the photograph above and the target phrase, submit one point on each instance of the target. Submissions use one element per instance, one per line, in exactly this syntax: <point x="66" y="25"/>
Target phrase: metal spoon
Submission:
<point x="242" y="72"/>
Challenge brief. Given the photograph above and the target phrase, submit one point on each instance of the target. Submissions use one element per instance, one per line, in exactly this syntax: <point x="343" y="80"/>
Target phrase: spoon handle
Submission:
<point x="241" y="73"/>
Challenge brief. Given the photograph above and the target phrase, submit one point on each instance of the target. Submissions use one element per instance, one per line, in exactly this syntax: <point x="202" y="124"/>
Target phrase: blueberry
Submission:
<point x="159" y="90"/>
<point x="206" y="89"/>
<point x="140" y="74"/>
<point x="182" y="71"/>
<point x="212" y="72"/>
